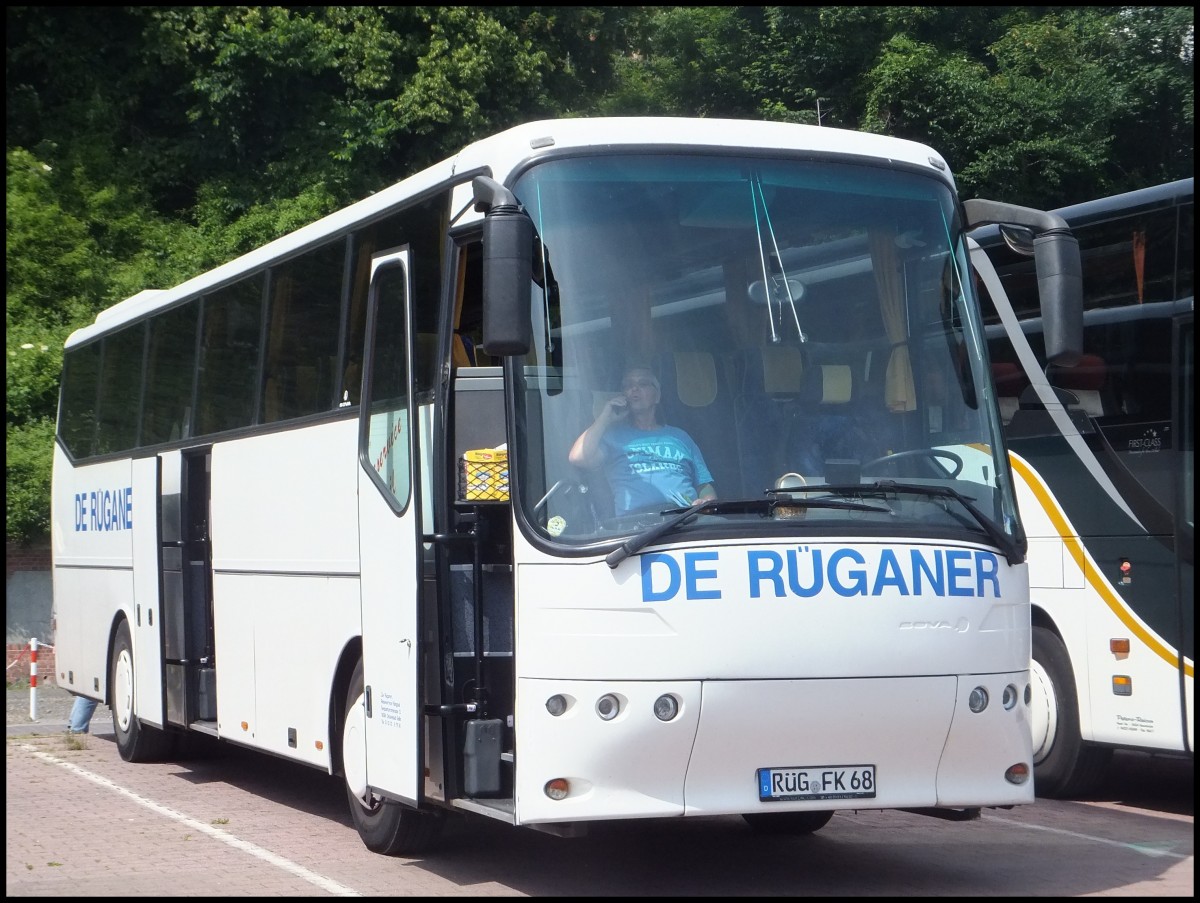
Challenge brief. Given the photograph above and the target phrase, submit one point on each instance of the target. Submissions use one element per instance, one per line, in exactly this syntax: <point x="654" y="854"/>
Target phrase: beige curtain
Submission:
<point x="899" y="391"/>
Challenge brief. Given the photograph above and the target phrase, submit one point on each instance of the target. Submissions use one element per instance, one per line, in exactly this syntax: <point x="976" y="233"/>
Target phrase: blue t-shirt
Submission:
<point x="650" y="470"/>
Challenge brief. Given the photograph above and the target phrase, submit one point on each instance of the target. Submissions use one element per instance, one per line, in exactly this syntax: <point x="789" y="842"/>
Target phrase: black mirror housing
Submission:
<point x="507" y="269"/>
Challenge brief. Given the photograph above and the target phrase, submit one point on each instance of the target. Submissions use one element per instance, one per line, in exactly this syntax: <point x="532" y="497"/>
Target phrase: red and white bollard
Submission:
<point x="33" y="646"/>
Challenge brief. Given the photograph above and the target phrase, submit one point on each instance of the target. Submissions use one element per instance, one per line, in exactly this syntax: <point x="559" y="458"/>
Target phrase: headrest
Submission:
<point x="1087" y="375"/>
<point x="782" y="370"/>
<point x="695" y="378"/>
<point x="1008" y="378"/>
<point x="836" y="383"/>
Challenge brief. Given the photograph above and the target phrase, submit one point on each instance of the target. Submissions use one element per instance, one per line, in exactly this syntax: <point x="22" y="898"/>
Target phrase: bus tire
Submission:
<point x="1063" y="764"/>
<point x="136" y="742"/>
<point x="385" y="826"/>
<point x="791" y="823"/>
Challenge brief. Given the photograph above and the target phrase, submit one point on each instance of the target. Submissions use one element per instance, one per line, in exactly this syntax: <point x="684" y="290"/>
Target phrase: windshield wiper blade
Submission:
<point x="725" y="506"/>
<point x="1006" y="543"/>
<point x="643" y="539"/>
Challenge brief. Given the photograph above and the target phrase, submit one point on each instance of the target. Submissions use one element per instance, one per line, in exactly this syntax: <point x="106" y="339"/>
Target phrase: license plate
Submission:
<point x="817" y="782"/>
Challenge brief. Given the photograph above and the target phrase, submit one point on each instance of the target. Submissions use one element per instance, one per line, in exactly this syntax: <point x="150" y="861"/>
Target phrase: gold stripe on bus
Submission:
<point x="1090" y="572"/>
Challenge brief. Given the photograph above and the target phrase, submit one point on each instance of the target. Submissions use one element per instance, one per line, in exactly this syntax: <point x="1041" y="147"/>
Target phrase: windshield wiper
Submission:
<point x="1006" y="543"/>
<point x="726" y="506"/>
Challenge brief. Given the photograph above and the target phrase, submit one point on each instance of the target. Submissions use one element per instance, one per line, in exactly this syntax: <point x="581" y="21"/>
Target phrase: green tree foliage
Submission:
<point x="27" y="492"/>
<point x="685" y="61"/>
<point x="145" y="145"/>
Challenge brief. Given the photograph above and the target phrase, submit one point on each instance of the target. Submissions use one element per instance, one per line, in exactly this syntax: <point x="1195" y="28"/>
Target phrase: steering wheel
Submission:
<point x="956" y="463"/>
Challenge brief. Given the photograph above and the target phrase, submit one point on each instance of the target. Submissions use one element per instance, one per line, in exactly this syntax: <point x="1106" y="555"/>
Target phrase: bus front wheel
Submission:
<point x="1063" y="764"/>
<point x="136" y="742"/>
<point x="385" y="826"/>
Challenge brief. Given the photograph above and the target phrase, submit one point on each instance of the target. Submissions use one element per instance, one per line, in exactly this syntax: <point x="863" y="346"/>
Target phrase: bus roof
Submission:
<point x="505" y="151"/>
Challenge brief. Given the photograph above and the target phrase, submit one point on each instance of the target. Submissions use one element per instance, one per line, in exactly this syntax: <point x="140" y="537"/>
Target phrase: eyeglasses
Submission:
<point x="637" y="384"/>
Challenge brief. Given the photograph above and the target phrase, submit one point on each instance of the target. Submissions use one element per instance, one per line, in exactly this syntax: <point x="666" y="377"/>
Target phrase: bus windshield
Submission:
<point x="729" y="328"/>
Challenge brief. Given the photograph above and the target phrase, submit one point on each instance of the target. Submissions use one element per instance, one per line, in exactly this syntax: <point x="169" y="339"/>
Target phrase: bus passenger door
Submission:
<point x="389" y="536"/>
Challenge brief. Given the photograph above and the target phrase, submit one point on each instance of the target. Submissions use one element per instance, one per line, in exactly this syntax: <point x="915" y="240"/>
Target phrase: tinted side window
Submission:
<point x="1129" y="260"/>
<point x="387" y="429"/>
<point x="232" y="324"/>
<point x="302" y="334"/>
<point x="422" y="228"/>
<point x="120" y="390"/>
<point x="77" y="422"/>
<point x="170" y="371"/>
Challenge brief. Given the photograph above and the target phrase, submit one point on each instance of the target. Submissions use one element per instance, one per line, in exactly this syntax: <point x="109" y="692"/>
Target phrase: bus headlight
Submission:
<point x="1009" y="699"/>
<point x="978" y="700"/>
<point x="556" y="704"/>
<point x="666" y="707"/>
<point x="607" y="707"/>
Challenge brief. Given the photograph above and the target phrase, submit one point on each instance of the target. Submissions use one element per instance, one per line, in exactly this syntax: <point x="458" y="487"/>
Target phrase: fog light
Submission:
<point x="557" y="789"/>
<point x="556" y="704"/>
<point x="978" y="700"/>
<point x="607" y="707"/>
<point x="1017" y="774"/>
<point x="1009" y="699"/>
<point x="666" y="707"/>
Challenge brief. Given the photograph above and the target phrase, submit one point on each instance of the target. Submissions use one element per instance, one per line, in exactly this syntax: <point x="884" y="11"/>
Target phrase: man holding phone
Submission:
<point x="650" y="466"/>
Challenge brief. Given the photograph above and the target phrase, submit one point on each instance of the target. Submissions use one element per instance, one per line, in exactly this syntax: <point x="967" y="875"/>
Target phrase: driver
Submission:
<point x="650" y="466"/>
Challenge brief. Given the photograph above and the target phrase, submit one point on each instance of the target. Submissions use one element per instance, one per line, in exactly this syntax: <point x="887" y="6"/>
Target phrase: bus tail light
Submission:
<point x="558" y="788"/>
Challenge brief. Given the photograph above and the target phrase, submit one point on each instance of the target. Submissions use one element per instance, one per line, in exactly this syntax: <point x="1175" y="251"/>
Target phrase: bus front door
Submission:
<point x="389" y="544"/>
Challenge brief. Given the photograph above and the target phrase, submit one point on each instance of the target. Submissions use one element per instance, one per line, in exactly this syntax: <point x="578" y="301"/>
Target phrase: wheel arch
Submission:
<point x="1039" y="617"/>
<point x="121" y="616"/>
<point x="342" y="672"/>
<point x="1076" y="661"/>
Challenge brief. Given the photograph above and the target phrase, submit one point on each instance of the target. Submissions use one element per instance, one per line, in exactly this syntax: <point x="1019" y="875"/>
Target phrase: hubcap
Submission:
<point x="122" y="689"/>
<point x="1043" y="711"/>
<point x="354" y="751"/>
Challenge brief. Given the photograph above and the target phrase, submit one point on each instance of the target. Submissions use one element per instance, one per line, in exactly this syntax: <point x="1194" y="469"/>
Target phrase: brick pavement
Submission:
<point x="79" y="821"/>
<point x="98" y="842"/>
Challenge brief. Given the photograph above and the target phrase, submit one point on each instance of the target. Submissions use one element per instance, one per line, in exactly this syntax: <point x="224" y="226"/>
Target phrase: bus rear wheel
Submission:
<point x="136" y="742"/>
<point x="1063" y="764"/>
<point x="793" y="823"/>
<point x="385" y="826"/>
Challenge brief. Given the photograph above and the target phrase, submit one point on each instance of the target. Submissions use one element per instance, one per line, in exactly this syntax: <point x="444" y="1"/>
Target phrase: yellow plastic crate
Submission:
<point x="483" y="475"/>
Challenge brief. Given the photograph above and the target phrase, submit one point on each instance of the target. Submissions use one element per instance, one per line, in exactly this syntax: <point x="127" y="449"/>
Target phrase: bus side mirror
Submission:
<point x="1060" y="287"/>
<point x="1059" y="273"/>
<point x="507" y="269"/>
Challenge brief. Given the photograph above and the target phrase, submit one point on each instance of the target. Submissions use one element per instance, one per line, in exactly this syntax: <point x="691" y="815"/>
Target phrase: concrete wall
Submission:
<point x="28" y="594"/>
<point x="27" y="610"/>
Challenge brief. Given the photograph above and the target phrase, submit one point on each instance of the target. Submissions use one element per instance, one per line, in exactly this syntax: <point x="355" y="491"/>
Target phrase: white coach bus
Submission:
<point x="320" y="501"/>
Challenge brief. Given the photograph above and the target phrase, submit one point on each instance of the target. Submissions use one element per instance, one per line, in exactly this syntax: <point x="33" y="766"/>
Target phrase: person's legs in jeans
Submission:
<point x="81" y="715"/>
